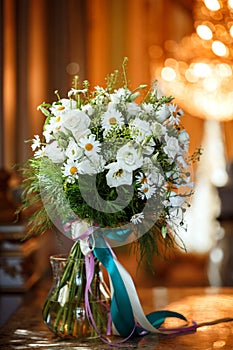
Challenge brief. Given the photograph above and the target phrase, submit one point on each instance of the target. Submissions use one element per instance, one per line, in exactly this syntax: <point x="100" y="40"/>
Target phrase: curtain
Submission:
<point x="42" y="47"/>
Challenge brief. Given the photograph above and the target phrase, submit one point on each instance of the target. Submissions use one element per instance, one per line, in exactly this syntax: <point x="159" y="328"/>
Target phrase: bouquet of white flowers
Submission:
<point x="112" y="168"/>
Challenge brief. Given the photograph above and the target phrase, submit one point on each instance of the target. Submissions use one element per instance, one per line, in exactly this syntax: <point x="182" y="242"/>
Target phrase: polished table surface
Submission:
<point x="211" y="308"/>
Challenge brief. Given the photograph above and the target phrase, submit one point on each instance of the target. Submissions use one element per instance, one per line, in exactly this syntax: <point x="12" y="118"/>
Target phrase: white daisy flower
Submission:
<point x="90" y="145"/>
<point x="112" y="118"/>
<point x="54" y="124"/>
<point x="73" y="151"/>
<point x="141" y="179"/>
<point x="146" y="191"/>
<point x="117" y="176"/>
<point x="36" y="142"/>
<point x="62" y="106"/>
<point x="71" y="169"/>
<point x="128" y="158"/>
<point x="137" y="218"/>
<point x="174" y="114"/>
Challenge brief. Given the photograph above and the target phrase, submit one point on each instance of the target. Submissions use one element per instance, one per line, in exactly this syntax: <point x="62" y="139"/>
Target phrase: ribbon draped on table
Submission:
<point x="127" y="316"/>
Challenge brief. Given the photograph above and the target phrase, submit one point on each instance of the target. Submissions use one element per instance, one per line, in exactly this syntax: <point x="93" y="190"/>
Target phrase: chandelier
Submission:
<point x="199" y="69"/>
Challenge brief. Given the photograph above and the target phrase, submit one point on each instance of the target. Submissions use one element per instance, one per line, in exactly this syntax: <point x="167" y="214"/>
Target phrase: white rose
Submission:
<point x="53" y="152"/>
<point x="172" y="146"/>
<point x="128" y="158"/>
<point x="76" y="121"/>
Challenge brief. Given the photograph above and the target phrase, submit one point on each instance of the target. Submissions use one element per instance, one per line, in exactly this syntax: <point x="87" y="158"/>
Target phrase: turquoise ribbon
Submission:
<point x="121" y="310"/>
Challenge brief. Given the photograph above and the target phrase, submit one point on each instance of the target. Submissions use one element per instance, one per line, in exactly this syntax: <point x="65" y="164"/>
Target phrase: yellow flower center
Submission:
<point x="112" y="120"/>
<point x="73" y="170"/>
<point x="58" y="119"/>
<point x="143" y="180"/>
<point x="146" y="189"/>
<point x="89" y="146"/>
<point x="60" y="108"/>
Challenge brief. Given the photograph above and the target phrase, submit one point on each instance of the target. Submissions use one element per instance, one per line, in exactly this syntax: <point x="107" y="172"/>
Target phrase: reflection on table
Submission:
<point x="211" y="308"/>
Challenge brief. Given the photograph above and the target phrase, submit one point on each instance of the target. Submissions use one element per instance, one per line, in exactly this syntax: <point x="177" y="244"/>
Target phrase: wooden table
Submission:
<point x="211" y="308"/>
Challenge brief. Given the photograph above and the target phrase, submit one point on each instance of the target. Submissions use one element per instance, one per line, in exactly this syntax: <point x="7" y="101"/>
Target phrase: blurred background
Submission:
<point x="187" y="45"/>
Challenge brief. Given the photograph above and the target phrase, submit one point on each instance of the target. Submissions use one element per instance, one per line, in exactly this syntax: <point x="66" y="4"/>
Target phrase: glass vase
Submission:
<point x="64" y="310"/>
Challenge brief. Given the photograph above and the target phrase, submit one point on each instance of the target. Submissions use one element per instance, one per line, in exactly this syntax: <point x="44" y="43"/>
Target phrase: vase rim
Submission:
<point x="62" y="257"/>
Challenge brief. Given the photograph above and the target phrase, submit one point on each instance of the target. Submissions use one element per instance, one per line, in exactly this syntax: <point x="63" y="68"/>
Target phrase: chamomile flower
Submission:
<point x="137" y="218"/>
<point x="70" y="170"/>
<point x="146" y="191"/>
<point x="112" y="118"/>
<point x="142" y="179"/>
<point x="174" y="114"/>
<point x="62" y="106"/>
<point x="89" y="145"/>
<point x="54" y="124"/>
